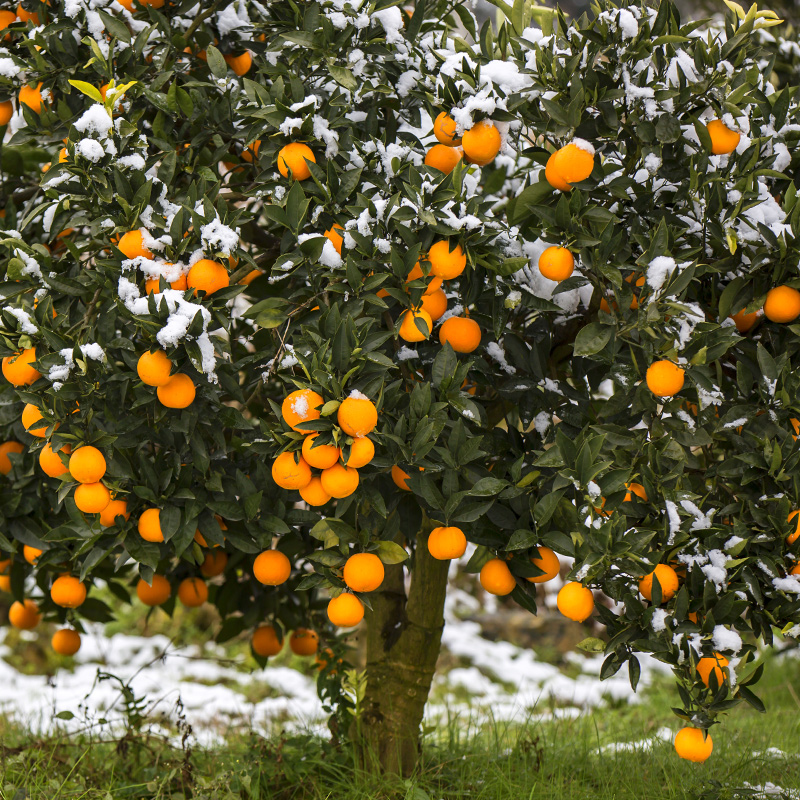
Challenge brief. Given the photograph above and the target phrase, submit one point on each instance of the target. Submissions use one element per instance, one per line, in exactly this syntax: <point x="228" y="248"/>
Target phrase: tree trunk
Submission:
<point x="403" y="640"/>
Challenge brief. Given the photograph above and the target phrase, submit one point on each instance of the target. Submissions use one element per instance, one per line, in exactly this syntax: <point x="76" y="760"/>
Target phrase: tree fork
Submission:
<point x="404" y="636"/>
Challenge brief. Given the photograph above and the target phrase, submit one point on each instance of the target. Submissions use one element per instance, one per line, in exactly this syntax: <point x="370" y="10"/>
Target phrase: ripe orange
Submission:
<point x="357" y="416"/>
<point x="363" y="572"/>
<point x="6" y="108"/>
<point x="116" y="508"/>
<point x="207" y="276"/>
<point x="250" y="277"/>
<point x="320" y="457"/>
<point x="30" y="554"/>
<point x="131" y="244"/>
<point x="461" y="333"/>
<point x="345" y="611"/>
<point x="795" y="535"/>
<point x="214" y="564"/>
<point x="409" y="332"/>
<point x="30" y="416"/>
<point x="7" y="18"/>
<point x="87" y="464"/>
<point x="32" y="97"/>
<point x="154" y="594"/>
<point x="362" y="451"/>
<point x="782" y="304"/>
<point x="192" y="592"/>
<point x="715" y="664"/>
<point x="314" y="493"/>
<point x="556" y="263"/>
<point x="444" y="129"/>
<point x="446" y="263"/>
<point x="5" y="461"/>
<point x="91" y="498"/>
<point x="667" y="578"/>
<point x="19" y="370"/>
<point x="400" y="478"/>
<point x="149" y="525"/>
<point x="435" y="303"/>
<point x="51" y="462"/>
<point x="635" y="489"/>
<point x="664" y="378"/>
<point x="339" y="481"/>
<point x="154" y="368"/>
<point x="294" y="157"/>
<point x="250" y="153"/>
<point x="68" y="592"/>
<point x="66" y="642"/>
<point x="303" y="642"/>
<point x="553" y="177"/>
<point x="575" y="601"/>
<point x="335" y="238"/>
<point x="548" y="562"/>
<point x="289" y="473"/>
<point x="433" y="283"/>
<point x="265" y="641"/>
<point x="744" y="321"/>
<point x="301" y="406"/>
<point x="443" y="158"/>
<point x="481" y="142"/>
<point x="178" y="392"/>
<point x="496" y="577"/>
<point x="723" y="139"/>
<point x="574" y="163"/>
<point x="240" y="64"/>
<point x="24" y="615"/>
<point x="447" y="542"/>
<point x="272" y="568"/>
<point x="690" y="744"/>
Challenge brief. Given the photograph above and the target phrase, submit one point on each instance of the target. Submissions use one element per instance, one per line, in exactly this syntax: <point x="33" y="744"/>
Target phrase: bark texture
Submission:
<point x="404" y="635"/>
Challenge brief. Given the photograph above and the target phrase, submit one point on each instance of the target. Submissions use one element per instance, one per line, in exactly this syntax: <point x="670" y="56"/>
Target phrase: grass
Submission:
<point x="491" y="761"/>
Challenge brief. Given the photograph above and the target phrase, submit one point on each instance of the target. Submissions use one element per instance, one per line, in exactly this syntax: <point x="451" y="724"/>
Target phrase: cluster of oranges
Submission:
<point x="479" y="145"/>
<point x="173" y="391"/>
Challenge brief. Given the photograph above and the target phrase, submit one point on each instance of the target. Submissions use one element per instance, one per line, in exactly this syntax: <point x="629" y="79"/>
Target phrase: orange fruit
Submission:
<point x="575" y="601"/>
<point x="25" y="615"/>
<point x="7" y="18"/>
<point x="715" y="664"/>
<point x="556" y="263"/>
<point x="5" y="461"/>
<point x="744" y="321"/>
<point x="664" y="378"/>
<point x="294" y="157"/>
<point x="573" y="163"/>
<point x="667" y="578"/>
<point x="782" y="304"/>
<point x="445" y="543"/>
<point x="250" y="153"/>
<point x="303" y="642"/>
<point x="18" y="369"/>
<point x="87" y="465"/>
<point x="192" y="592"/>
<point x="409" y="332"/>
<point x="66" y="642"/>
<point x="320" y="457"/>
<point x="68" y="592"/>
<point x="291" y="473"/>
<point x="207" y="276"/>
<point x="214" y="564"/>
<point x="433" y="283"/>
<point x="444" y="129"/>
<point x="552" y="175"/>
<point x="690" y="744"/>
<point x="446" y="263"/>
<point x="131" y="244"/>
<point x="435" y="303"/>
<point x="400" y="478"/>
<point x="548" y="562"/>
<point x="28" y="15"/>
<point x="362" y="451"/>
<point x="153" y="594"/>
<point x="481" y="142"/>
<point x="461" y="333"/>
<point x="178" y="392"/>
<point x="314" y="493"/>
<point x="345" y="611"/>
<point x="32" y="97"/>
<point x="240" y="64"/>
<point x="250" y="277"/>
<point x="363" y="572"/>
<point x="149" y="525"/>
<point x="6" y="108"/>
<point x="635" y="489"/>
<point x="91" y="498"/>
<point x="795" y="535"/>
<point x="443" y="158"/>
<point x="116" y="508"/>
<point x="30" y="554"/>
<point x="723" y="139"/>
<point x="339" y="481"/>
<point x="357" y="415"/>
<point x="154" y="368"/>
<point x="30" y="416"/>
<point x="272" y="568"/>
<point x="301" y="406"/>
<point x="496" y="577"/>
<point x="335" y="238"/>
<point x="265" y="641"/>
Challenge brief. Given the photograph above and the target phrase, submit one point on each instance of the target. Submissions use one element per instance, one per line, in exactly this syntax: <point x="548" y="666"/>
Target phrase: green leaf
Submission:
<point x="216" y="62"/>
<point x="343" y="77"/>
<point x="88" y="89"/>
<point x="591" y="644"/>
<point x="391" y="553"/>
<point x="592" y="338"/>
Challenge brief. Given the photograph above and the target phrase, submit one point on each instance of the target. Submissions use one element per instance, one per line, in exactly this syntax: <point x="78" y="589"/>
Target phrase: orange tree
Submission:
<point x="311" y="295"/>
